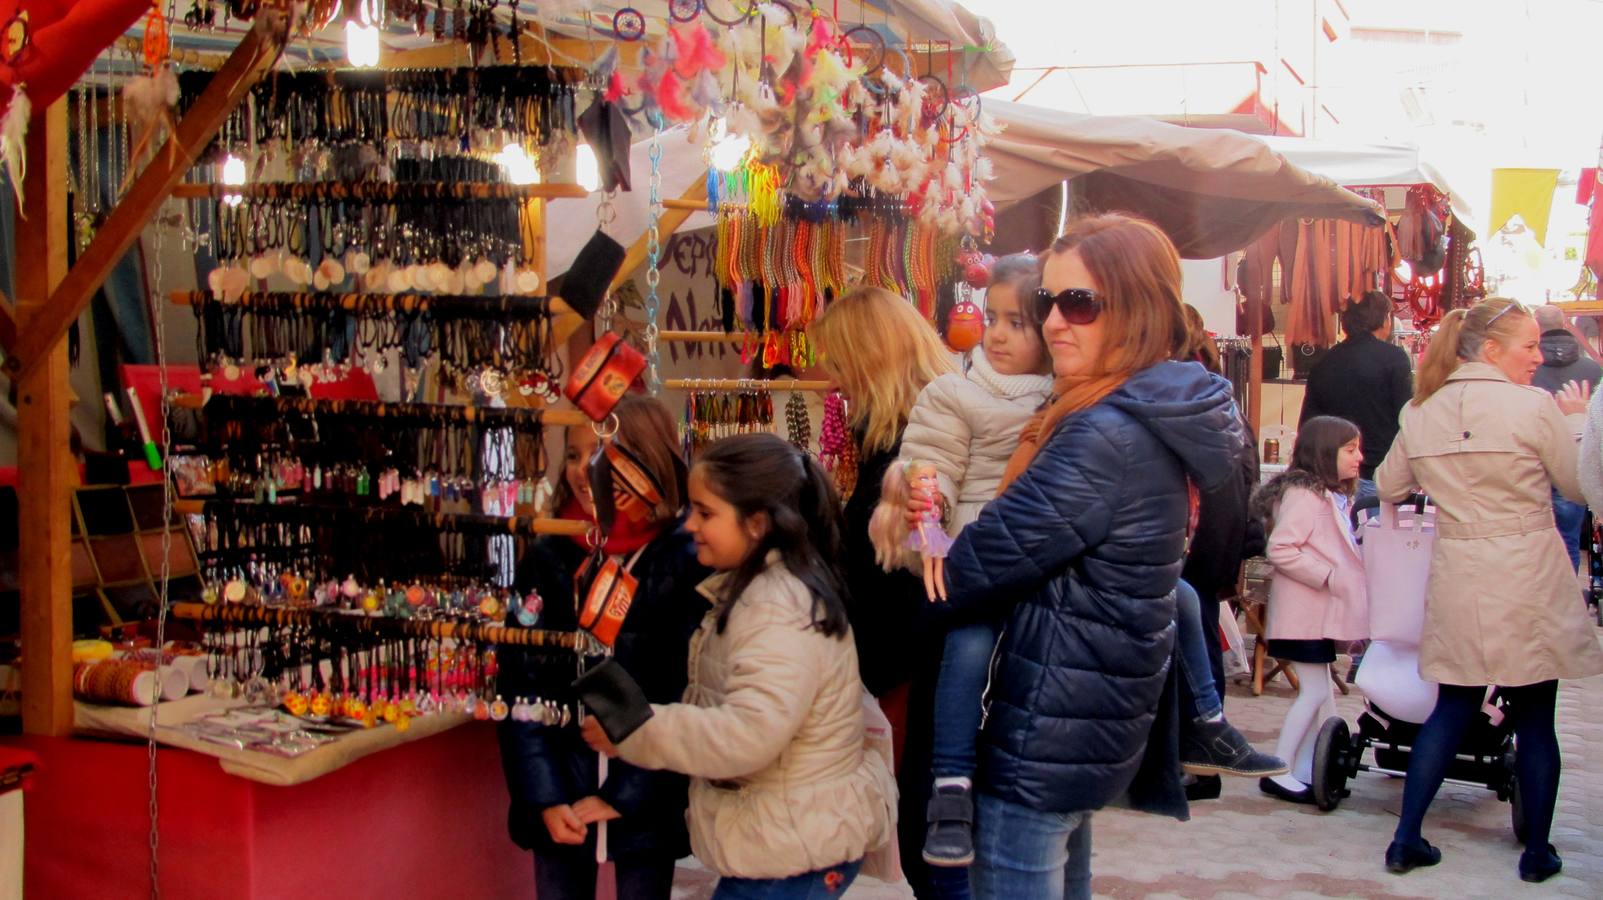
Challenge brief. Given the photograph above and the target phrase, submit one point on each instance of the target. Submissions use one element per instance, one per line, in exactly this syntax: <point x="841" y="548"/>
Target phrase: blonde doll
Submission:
<point x="891" y="535"/>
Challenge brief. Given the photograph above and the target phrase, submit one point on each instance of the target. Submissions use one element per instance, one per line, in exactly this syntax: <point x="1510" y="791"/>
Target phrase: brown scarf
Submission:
<point x="1071" y="394"/>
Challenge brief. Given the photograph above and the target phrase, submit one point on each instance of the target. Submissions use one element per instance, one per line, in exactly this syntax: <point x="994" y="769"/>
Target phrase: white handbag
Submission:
<point x="1397" y="552"/>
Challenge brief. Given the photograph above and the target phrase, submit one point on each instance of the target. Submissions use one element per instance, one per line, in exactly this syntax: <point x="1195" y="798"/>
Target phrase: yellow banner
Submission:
<point x="1528" y="192"/>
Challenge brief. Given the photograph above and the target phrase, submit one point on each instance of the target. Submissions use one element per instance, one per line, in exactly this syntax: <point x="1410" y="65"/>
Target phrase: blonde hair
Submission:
<point x="887" y="529"/>
<point x="1137" y="273"/>
<point x="1462" y="338"/>
<point x="878" y="348"/>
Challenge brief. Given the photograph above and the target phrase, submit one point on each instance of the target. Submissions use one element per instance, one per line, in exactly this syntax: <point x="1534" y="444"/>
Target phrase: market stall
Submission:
<point x="395" y="223"/>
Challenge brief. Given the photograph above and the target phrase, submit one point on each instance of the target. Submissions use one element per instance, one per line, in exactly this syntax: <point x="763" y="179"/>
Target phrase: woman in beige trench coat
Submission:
<point x="1501" y="609"/>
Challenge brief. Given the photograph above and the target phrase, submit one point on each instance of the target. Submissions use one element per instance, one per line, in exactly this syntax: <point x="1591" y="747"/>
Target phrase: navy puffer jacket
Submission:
<point x="1082" y="553"/>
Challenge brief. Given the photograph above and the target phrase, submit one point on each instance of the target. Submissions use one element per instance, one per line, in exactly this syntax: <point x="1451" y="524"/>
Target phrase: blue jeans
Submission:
<point x="959" y="696"/>
<point x="1020" y="852"/>
<point x="1366" y="489"/>
<point x="817" y="885"/>
<point x="1569" y="517"/>
<point x="1191" y="638"/>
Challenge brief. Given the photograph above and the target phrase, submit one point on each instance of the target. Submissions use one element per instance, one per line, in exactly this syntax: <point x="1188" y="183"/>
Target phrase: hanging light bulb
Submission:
<point x="233" y="173"/>
<point x="727" y="151"/>
<point x="361" y="44"/>
<point x="586" y="171"/>
<point x="517" y="165"/>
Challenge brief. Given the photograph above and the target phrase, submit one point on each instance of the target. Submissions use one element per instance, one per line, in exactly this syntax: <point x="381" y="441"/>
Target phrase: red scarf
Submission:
<point x="626" y="536"/>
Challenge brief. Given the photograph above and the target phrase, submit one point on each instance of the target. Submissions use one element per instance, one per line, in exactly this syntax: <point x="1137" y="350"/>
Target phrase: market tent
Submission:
<point x="1368" y="165"/>
<point x="1212" y="190"/>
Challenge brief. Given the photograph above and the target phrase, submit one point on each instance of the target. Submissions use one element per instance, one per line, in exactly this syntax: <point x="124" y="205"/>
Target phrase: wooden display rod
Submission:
<point x="485" y="304"/>
<point x="691" y="205"/>
<point x="381" y="190"/>
<point x="510" y="524"/>
<point x="456" y="412"/>
<point x="745" y="384"/>
<point x="240" y="614"/>
<point x="706" y="337"/>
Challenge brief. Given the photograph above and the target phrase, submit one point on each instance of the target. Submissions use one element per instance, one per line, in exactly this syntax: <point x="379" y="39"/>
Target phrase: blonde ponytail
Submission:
<point x="1461" y="338"/>
<point x="1441" y="357"/>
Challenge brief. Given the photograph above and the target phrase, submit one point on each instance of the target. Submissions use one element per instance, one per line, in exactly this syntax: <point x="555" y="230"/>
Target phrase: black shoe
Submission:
<point x="1217" y="748"/>
<point x="1204" y="787"/>
<point x="1539" y="867"/>
<point x="950" y="840"/>
<point x="1401" y="858"/>
<point x="1274" y="789"/>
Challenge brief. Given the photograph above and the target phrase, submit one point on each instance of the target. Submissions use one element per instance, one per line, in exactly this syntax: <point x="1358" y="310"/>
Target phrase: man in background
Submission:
<point x="1365" y="380"/>
<point x="1564" y="360"/>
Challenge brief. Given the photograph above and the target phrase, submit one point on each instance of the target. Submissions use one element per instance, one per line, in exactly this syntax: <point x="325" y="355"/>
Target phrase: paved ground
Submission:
<point x="1248" y="845"/>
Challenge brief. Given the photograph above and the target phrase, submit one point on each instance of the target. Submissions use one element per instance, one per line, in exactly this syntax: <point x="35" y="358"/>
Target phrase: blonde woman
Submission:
<point x="881" y="353"/>
<point x="1488" y="448"/>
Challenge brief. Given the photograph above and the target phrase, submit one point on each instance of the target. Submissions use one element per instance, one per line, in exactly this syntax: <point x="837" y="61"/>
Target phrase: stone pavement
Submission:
<point x="1246" y="844"/>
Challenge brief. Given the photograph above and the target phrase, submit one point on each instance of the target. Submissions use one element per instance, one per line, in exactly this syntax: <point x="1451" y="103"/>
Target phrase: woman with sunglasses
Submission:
<point x="1080" y="554"/>
<point x="557" y="803"/>
<point x="1500" y="610"/>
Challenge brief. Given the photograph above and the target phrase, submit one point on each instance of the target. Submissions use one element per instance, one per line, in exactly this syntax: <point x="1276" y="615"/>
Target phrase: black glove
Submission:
<point x="614" y="698"/>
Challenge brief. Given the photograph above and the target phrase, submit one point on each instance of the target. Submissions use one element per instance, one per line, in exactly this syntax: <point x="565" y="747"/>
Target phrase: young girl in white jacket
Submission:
<point x="785" y="798"/>
<point x="967" y="426"/>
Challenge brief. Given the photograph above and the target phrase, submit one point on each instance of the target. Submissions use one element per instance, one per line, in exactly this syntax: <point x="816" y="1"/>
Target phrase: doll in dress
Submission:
<point x="892" y="536"/>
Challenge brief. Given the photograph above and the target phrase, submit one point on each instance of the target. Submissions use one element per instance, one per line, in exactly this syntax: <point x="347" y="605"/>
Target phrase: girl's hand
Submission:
<point x="564" y="824"/>
<point x="919" y="504"/>
<point x="1574" y="397"/>
<point x="595" y="809"/>
<point x="595" y="736"/>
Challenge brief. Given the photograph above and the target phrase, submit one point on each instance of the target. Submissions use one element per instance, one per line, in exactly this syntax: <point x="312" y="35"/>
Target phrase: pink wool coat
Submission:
<point x="1318" y="589"/>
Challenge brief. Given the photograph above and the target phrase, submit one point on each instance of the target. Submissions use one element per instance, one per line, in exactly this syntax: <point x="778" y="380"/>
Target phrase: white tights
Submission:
<point x="1314" y="704"/>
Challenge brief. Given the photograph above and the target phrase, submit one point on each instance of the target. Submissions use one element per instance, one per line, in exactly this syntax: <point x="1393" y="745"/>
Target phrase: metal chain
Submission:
<point x="653" y="251"/>
<point x="166" y="552"/>
<point x="606" y="214"/>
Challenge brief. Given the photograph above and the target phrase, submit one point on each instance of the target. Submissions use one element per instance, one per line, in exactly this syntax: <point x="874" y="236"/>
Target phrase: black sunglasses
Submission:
<point x="1078" y="306"/>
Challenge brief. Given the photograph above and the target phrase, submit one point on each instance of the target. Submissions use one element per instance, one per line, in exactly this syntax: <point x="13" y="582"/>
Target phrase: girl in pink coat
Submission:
<point x="1318" y="595"/>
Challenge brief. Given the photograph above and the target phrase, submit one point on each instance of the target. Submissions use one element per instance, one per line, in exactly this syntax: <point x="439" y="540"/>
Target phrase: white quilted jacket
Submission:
<point x="968" y="425"/>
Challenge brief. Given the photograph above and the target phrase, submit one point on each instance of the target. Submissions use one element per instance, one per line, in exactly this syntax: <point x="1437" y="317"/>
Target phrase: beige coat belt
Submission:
<point x="1490" y="528"/>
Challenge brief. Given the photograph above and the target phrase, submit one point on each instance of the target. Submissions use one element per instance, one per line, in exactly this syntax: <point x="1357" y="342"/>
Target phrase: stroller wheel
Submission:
<point x="1330" y="763"/>
<point x="1516" y="810"/>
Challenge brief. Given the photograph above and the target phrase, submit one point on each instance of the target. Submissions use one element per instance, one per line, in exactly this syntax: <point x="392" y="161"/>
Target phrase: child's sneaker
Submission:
<point x="950" y="841"/>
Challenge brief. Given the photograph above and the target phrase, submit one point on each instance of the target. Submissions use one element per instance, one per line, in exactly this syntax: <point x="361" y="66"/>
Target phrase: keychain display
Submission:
<point x="488" y="345"/>
<point x="402" y="111"/>
<point x="711" y="415"/>
<point x="432" y="457"/>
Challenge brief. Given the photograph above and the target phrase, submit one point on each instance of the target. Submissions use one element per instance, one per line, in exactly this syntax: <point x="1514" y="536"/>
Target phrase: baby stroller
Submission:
<point x="1397" y="701"/>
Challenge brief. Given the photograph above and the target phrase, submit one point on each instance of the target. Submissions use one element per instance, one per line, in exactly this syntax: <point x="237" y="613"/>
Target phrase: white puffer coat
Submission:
<point x="968" y="426"/>
<point x="771" y="733"/>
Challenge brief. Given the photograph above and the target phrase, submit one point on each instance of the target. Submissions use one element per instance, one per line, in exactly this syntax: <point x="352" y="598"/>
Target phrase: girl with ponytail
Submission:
<point x="1502" y="607"/>
<point x="784" y="796"/>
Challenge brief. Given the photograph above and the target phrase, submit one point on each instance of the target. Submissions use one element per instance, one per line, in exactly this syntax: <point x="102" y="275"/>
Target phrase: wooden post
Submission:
<point x="256" y="53"/>
<point x="1255" y="367"/>
<point x="45" y="474"/>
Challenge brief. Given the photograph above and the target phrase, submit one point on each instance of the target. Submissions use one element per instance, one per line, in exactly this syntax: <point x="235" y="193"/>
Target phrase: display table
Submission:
<point x="423" y="819"/>
<point x="125" y="723"/>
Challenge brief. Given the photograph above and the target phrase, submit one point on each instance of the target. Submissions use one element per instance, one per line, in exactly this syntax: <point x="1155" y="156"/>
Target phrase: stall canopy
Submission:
<point x="1368" y="165"/>
<point x="1213" y="191"/>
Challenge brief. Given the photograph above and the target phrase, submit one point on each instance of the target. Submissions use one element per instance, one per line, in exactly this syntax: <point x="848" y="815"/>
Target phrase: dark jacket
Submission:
<point x="545" y="765"/>
<point x="1085" y="549"/>
<point x="1365" y="381"/>
<point x="1563" y="361"/>
<point x="1225" y="532"/>
<point x="893" y="623"/>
